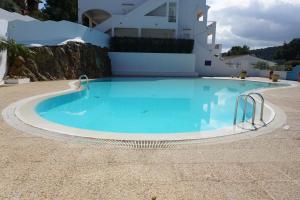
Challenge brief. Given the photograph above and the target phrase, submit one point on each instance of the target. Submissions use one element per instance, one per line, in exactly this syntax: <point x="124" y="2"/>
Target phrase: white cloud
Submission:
<point x="257" y="23"/>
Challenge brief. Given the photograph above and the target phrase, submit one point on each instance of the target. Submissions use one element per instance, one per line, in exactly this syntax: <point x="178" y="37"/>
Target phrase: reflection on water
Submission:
<point x="146" y="105"/>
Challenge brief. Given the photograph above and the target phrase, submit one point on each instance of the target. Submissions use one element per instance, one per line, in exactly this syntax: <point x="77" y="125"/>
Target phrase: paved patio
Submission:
<point x="264" y="167"/>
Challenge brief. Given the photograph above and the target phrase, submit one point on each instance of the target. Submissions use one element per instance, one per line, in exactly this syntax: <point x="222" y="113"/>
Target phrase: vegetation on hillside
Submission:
<point x="11" y="5"/>
<point x="56" y="10"/>
<point x="61" y="10"/>
<point x="289" y="51"/>
<point x="287" y="56"/>
<point x="238" y="50"/>
<point x="265" y="53"/>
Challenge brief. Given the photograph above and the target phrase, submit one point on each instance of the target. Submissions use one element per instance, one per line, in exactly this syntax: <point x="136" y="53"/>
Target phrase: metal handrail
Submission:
<point x="246" y="97"/>
<point x="262" y="104"/>
<point x="236" y="107"/>
<point x="84" y="77"/>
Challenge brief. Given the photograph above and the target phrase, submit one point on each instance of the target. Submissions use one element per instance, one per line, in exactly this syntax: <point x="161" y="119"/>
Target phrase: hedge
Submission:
<point x="151" y="45"/>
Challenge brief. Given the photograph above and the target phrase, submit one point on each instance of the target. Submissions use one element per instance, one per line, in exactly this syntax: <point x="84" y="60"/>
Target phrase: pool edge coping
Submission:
<point x="16" y="110"/>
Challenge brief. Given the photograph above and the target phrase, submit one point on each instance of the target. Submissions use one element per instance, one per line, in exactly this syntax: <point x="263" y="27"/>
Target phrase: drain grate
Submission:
<point x="144" y="144"/>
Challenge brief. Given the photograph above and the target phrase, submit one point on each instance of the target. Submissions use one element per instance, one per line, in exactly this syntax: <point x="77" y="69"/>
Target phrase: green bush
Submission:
<point x="14" y="50"/>
<point x="151" y="45"/>
<point x="262" y="65"/>
<point x="292" y="63"/>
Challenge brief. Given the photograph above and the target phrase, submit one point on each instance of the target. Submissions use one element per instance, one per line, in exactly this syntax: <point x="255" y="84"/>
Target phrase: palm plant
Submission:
<point x="14" y="50"/>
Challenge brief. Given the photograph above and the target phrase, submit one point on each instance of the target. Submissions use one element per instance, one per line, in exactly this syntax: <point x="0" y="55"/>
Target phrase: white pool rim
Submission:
<point x="24" y="110"/>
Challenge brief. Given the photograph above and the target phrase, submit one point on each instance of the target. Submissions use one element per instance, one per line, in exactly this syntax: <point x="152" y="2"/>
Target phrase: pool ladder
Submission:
<point x="81" y="80"/>
<point x="245" y="98"/>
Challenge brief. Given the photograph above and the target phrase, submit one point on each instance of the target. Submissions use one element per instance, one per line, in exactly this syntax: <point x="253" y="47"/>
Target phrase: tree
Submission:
<point x="238" y="50"/>
<point x="11" y="5"/>
<point x="58" y="10"/>
<point x="289" y="51"/>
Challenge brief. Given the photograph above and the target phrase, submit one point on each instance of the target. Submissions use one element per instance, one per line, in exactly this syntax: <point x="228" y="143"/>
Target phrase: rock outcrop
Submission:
<point x="67" y="61"/>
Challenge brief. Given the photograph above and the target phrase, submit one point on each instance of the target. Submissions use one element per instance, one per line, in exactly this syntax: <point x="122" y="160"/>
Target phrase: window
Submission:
<point x="186" y="36"/>
<point x="126" y="32"/>
<point x="127" y="7"/>
<point x="210" y="39"/>
<point x="109" y="32"/>
<point x="172" y="11"/>
<point x="159" y="12"/>
<point x="85" y="20"/>
<point x="200" y="17"/>
<point x="186" y="33"/>
<point x="207" y="62"/>
<point x="158" y="33"/>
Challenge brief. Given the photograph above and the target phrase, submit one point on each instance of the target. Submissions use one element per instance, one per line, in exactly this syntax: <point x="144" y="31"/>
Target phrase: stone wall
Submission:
<point x="68" y="61"/>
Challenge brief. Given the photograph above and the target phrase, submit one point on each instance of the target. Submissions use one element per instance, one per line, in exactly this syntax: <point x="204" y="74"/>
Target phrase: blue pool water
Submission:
<point x="149" y="105"/>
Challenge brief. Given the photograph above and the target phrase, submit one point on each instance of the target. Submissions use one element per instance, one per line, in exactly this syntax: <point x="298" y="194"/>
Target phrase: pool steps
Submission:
<point x="245" y="98"/>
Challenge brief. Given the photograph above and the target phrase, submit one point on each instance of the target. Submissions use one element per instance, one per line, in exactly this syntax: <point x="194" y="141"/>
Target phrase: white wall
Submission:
<point x="160" y="64"/>
<point x="113" y="7"/>
<point x="3" y="55"/>
<point x="266" y="73"/>
<point x="218" y="67"/>
<point x="53" y="33"/>
<point x="11" y="16"/>
<point x="247" y="63"/>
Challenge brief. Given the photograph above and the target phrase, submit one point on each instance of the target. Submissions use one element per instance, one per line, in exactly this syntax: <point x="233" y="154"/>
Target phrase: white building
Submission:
<point x="150" y="18"/>
<point x="181" y="19"/>
<point x="245" y="62"/>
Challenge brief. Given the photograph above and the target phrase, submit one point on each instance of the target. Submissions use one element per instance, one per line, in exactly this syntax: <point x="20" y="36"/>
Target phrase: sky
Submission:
<point x="256" y="23"/>
<point x="41" y="5"/>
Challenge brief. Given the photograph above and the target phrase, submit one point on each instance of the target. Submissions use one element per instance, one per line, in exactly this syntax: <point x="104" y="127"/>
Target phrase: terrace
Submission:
<point x="37" y="166"/>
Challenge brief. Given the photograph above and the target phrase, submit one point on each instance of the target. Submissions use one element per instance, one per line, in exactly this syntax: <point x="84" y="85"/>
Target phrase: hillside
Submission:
<point x="265" y="53"/>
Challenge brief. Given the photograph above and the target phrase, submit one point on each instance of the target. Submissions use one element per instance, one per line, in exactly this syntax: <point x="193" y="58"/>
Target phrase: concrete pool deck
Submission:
<point x="262" y="167"/>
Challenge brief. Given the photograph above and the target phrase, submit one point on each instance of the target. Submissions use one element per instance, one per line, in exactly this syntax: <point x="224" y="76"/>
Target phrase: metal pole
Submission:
<point x="236" y="110"/>
<point x="262" y="105"/>
<point x="245" y="108"/>
<point x="254" y="109"/>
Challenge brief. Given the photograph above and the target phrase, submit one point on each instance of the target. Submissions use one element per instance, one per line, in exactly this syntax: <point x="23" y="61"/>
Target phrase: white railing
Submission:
<point x="81" y="80"/>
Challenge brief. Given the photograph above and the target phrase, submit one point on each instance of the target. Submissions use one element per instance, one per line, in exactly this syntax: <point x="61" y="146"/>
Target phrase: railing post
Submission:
<point x="87" y="80"/>
<point x="245" y="98"/>
<point x="262" y="104"/>
<point x="236" y="110"/>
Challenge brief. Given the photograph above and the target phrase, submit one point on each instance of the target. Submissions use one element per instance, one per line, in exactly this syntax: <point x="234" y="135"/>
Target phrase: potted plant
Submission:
<point x="271" y="74"/>
<point x="275" y="77"/>
<point x="243" y="74"/>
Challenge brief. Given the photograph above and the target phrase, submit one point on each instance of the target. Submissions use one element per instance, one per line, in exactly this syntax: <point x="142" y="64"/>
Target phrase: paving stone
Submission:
<point x="263" y="167"/>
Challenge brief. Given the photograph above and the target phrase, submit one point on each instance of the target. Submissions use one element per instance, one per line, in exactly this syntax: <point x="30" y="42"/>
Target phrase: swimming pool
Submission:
<point x="149" y="105"/>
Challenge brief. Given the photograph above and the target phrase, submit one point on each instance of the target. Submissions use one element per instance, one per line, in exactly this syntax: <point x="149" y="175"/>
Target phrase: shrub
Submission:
<point x="292" y="63"/>
<point x="14" y="50"/>
<point x="262" y="65"/>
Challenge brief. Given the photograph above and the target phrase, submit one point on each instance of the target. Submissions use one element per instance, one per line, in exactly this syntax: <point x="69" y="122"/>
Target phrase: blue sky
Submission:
<point x="256" y="23"/>
<point x="41" y="5"/>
